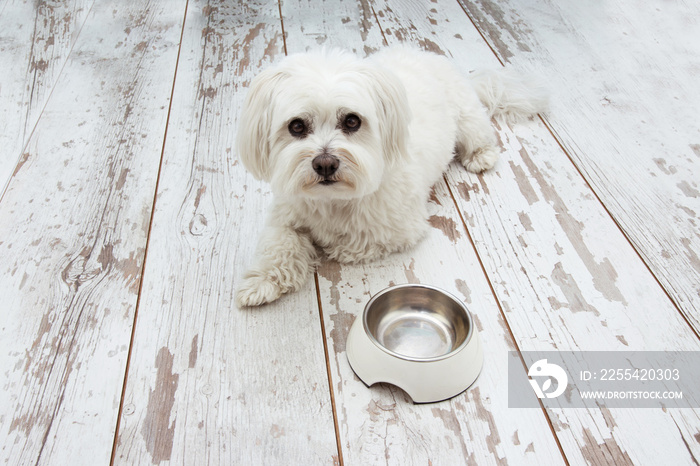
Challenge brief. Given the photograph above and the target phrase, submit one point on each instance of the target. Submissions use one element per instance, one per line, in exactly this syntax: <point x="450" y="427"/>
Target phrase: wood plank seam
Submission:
<point x="284" y="34"/>
<point x="334" y="411"/>
<point x="224" y="407"/>
<point x="481" y="264"/>
<point x="392" y="393"/>
<point x="503" y="315"/>
<point x="628" y="240"/>
<point x="652" y="248"/>
<point x="148" y="241"/>
<point x="558" y="140"/>
<point x="328" y="370"/>
<point x="488" y="44"/>
<point x="379" y="25"/>
<point x="632" y="244"/>
<point x="316" y="282"/>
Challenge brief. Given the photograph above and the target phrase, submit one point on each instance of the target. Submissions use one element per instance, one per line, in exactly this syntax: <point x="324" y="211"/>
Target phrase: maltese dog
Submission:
<point x="352" y="147"/>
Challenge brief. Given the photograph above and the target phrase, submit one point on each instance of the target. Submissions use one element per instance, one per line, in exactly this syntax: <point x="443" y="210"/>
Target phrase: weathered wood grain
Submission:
<point x="35" y="39"/>
<point x="84" y="97"/>
<point x="381" y="422"/>
<point x="209" y="383"/>
<point x="381" y="425"/>
<point x="625" y="99"/>
<point x="73" y="226"/>
<point x="560" y="290"/>
<point x="347" y="24"/>
<point x="563" y="273"/>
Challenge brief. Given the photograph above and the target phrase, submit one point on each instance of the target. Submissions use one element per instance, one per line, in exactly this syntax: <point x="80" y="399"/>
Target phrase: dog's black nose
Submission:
<point x="325" y="164"/>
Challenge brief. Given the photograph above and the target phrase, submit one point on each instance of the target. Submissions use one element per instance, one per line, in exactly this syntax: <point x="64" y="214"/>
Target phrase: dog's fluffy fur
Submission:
<point x="351" y="148"/>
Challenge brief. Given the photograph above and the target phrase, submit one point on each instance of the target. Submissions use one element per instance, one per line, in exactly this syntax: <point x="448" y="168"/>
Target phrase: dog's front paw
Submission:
<point x="256" y="290"/>
<point x="482" y="159"/>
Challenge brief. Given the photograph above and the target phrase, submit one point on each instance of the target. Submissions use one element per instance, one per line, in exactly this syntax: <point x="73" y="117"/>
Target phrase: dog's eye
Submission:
<point x="351" y="123"/>
<point x="297" y="128"/>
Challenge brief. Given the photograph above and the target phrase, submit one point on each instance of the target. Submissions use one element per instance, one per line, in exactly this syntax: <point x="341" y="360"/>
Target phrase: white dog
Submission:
<point x="351" y="148"/>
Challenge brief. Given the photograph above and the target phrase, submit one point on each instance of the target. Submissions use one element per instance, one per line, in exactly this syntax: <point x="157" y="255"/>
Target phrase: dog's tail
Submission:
<point x="509" y="94"/>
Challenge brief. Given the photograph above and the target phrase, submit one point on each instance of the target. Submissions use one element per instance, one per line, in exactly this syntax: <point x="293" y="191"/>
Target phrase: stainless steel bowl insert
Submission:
<point x="417" y="322"/>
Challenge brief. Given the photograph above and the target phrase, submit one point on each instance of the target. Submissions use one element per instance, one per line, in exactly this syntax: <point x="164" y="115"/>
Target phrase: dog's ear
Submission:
<point x="254" y="126"/>
<point x="393" y="112"/>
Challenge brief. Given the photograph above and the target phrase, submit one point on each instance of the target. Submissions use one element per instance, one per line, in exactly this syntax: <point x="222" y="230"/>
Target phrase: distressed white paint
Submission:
<point x="564" y="274"/>
<point x="625" y="99"/>
<point x="209" y="383"/>
<point x="35" y="39"/>
<point x="381" y="424"/>
<point x="73" y="227"/>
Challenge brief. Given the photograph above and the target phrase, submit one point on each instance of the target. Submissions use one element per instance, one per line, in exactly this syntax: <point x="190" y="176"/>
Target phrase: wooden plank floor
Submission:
<point x="126" y="220"/>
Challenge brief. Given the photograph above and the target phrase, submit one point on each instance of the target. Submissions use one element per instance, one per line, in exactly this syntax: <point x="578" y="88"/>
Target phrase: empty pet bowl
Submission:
<point x="419" y="338"/>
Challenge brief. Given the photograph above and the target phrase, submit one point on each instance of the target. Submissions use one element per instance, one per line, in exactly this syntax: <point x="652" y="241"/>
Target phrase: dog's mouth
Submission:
<point x="328" y="185"/>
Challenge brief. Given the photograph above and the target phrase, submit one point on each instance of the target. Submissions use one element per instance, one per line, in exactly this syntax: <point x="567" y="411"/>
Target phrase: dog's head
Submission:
<point x="323" y="125"/>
